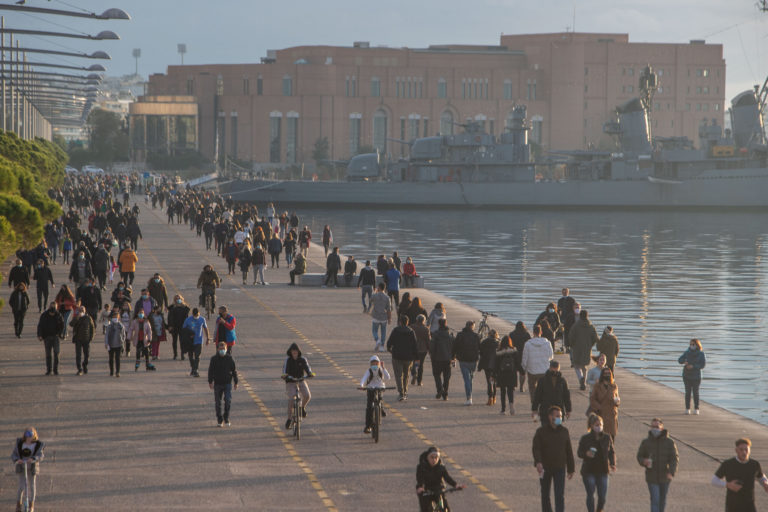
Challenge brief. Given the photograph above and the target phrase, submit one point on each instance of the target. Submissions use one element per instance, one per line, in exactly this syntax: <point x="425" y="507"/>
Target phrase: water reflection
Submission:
<point x="658" y="278"/>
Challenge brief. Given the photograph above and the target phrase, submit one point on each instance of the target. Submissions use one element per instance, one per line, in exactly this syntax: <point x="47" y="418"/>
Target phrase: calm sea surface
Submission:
<point x="658" y="278"/>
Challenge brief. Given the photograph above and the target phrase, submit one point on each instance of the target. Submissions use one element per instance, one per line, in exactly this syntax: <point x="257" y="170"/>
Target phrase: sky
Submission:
<point x="241" y="31"/>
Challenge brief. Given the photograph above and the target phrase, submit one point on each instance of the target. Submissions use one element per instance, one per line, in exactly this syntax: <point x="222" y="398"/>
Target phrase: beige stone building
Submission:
<point x="365" y="96"/>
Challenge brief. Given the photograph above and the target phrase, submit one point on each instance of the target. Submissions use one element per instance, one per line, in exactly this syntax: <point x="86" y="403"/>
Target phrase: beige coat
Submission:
<point x="602" y="403"/>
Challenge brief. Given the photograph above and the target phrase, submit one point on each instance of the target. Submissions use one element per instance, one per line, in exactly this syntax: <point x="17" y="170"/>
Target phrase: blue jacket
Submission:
<point x="393" y="280"/>
<point x="697" y="360"/>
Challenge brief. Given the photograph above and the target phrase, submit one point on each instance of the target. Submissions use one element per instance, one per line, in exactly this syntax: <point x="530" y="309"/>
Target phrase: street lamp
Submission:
<point x="182" y="49"/>
<point x="104" y="35"/>
<point x="109" y="14"/>
<point x="136" y="55"/>
<point x="94" y="55"/>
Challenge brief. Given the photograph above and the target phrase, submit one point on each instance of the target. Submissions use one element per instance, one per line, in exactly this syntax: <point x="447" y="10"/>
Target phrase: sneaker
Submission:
<point x="117" y="375"/>
<point x="303" y="412"/>
<point x="220" y="424"/>
<point x="687" y="411"/>
<point x="438" y="396"/>
<point x="503" y="412"/>
<point x="196" y="374"/>
<point x="288" y="423"/>
<point x="79" y="372"/>
<point x="265" y="284"/>
<point x="468" y="402"/>
<point x="136" y="368"/>
<point x="696" y="412"/>
<point x="323" y="286"/>
<point x="401" y="398"/>
<point x="445" y="396"/>
<point x="367" y="430"/>
<point x="85" y="369"/>
<point x="228" y="423"/>
<point x="151" y="368"/>
<point x="413" y="381"/>
<point x="48" y="372"/>
<point x="55" y="372"/>
<point x="511" y="411"/>
<point x="182" y="358"/>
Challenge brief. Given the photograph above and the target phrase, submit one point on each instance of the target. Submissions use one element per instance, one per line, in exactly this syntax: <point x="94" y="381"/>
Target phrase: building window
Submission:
<point x="413" y="128"/>
<point x="233" y="124"/>
<point x="442" y="88"/>
<point x="446" y="123"/>
<point x="586" y="88"/>
<point x="190" y="86"/>
<point x="485" y="89"/>
<point x="291" y="137"/>
<point x="380" y="131"/>
<point x="354" y="86"/>
<point x="537" y="127"/>
<point x="586" y="71"/>
<point x="657" y="106"/>
<point x="630" y="71"/>
<point x="660" y="90"/>
<point x="660" y="72"/>
<point x="705" y="72"/>
<point x="698" y="90"/>
<point x="246" y="87"/>
<point x="698" y="107"/>
<point x="474" y="88"/>
<point x="463" y="89"/>
<point x="397" y="87"/>
<point x="275" y="122"/>
<point x="420" y="88"/>
<point x="287" y="86"/>
<point x="346" y="87"/>
<point x="492" y="128"/>
<point x="688" y="107"/>
<point x="705" y="90"/>
<point x="402" y="136"/>
<point x="259" y="86"/>
<point x="375" y="87"/>
<point x="426" y="127"/>
<point x="354" y="133"/>
<point x="705" y="107"/>
<point x="410" y="87"/>
<point x="221" y="125"/>
<point x="716" y="107"/>
<point x="585" y="105"/>
<point x="507" y="89"/>
<point x="528" y="89"/>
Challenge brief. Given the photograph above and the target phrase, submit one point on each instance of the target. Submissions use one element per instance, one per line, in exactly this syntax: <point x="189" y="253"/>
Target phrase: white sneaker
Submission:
<point x="265" y="284"/>
<point x="687" y="411"/>
<point x="696" y="412"/>
<point x="468" y="402"/>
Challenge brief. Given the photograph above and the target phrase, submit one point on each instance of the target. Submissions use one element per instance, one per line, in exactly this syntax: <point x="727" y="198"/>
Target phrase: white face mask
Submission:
<point x="577" y="311"/>
<point x="223" y="352"/>
<point x="597" y="428"/>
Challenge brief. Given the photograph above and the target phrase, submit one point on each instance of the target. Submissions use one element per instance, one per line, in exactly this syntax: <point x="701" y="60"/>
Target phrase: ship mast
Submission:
<point x="649" y="82"/>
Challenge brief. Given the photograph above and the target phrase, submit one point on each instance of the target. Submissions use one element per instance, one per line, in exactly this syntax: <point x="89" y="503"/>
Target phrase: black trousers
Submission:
<point x="142" y="350"/>
<point x="293" y="275"/>
<point x="194" y="357"/>
<point x="82" y="351"/>
<point x="18" y="321"/>
<point x="114" y="360"/>
<point x="42" y="298"/>
<point x="52" y="347"/>
<point x="371" y="394"/>
<point x="417" y="370"/>
<point x="331" y="275"/>
<point x="441" y="370"/>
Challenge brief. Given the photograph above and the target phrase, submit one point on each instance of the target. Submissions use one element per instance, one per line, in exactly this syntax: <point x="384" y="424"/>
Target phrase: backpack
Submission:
<point x="371" y="375"/>
<point x="507" y="364"/>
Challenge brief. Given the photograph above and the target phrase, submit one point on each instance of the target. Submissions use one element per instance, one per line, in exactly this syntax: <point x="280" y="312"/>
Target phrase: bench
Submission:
<point x="316" y="279"/>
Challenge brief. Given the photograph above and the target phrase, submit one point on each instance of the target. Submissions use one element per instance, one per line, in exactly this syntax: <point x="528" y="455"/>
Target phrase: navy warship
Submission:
<point x="728" y="168"/>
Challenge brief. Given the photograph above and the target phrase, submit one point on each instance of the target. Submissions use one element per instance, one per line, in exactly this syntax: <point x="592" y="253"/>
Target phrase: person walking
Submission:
<point x="66" y="304"/>
<point x="466" y="349"/>
<point x="367" y="278"/>
<point x="487" y="363"/>
<point x="441" y="355"/>
<point x="582" y="337"/>
<point x="332" y="267"/>
<point x="42" y="277"/>
<point x="18" y="274"/>
<point x="259" y="262"/>
<point x="738" y="475"/>
<point x="244" y="262"/>
<point x="83" y="330"/>
<point x="599" y="459"/>
<point x="275" y="248"/>
<point x="392" y="277"/>
<point x="140" y="334"/>
<point x="305" y="238"/>
<point x="177" y="314"/>
<point x="156" y="289"/>
<point x="658" y="455"/>
<point x="537" y="354"/>
<point x="327" y="239"/>
<point x="694" y="361"/>
<point x="114" y="337"/>
<point x="403" y="346"/>
<point x="127" y="262"/>
<point x="552" y="389"/>
<point x="49" y="329"/>
<point x="435" y="315"/>
<point x="422" y="349"/>
<point x="26" y="456"/>
<point x="221" y="374"/>
<point x="225" y="329"/>
<point x="553" y="458"/>
<point x="197" y="325"/>
<point x="19" y="302"/>
<point x="608" y="345"/>
<point x="604" y="400"/>
<point x="520" y="337"/>
<point x="381" y="314"/>
<point x="507" y="365"/>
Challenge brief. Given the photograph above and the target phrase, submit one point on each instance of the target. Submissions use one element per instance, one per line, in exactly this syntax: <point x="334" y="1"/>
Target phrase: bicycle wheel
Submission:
<point x="297" y="418"/>
<point x="376" y="423"/>
<point x="208" y="305"/>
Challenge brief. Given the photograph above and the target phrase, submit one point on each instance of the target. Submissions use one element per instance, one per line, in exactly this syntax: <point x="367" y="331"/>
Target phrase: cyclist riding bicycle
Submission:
<point x="373" y="379"/>
<point x="430" y="474"/>
<point x="208" y="282"/>
<point x="295" y="367"/>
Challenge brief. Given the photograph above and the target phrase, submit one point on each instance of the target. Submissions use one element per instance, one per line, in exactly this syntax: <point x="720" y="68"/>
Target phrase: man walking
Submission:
<point x="552" y="389"/>
<point x="381" y="315"/>
<point x="658" y="454"/>
<point x="198" y="326"/>
<point x="50" y="325"/>
<point x="332" y="267"/>
<point x="403" y="346"/>
<point x="225" y="329"/>
<point x="392" y="277"/>
<point x="367" y="278"/>
<point x="82" y="334"/>
<point x="738" y="475"/>
<point x="441" y="354"/>
<point x="466" y="349"/>
<point x="553" y="457"/>
<point x="582" y="338"/>
<point x="221" y="373"/>
<point x="537" y="353"/>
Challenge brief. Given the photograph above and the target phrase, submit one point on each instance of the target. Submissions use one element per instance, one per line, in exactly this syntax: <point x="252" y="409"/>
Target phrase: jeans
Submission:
<point x="367" y="290"/>
<point x="658" y="496"/>
<point x="467" y="372"/>
<point x="376" y="325"/>
<point x="594" y="482"/>
<point x="114" y="360"/>
<point x="224" y="390"/>
<point x="82" y="350"/>
<point x="258" y="275"/>
<point x="52" y="347"/>
<point x="558" y="475"/>
<point x="441" y="371"/>
<point x="506" y="392"/>
<point x="691" y="386"/>
<point x="194" y="356"/>
<point x="293" y="275"/>
<point x="371" y="394"/>
<point x="417" y="370"/>
<point x="67" y="315"/>
<point x="275" y="259"/>
<point x="291" y="388"/>
<point x="142" y="350"/>
<point x="402" y="368"/>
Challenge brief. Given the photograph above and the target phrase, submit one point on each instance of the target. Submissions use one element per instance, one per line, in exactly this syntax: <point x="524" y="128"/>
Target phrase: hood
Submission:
<point x="293" y="346"/>
<point x="506" y="351"/>
<point x="552" y="373"/>
<point x="664" y="433"/>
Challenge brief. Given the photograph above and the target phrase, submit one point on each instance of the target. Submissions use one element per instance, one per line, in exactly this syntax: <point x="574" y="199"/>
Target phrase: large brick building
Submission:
<point x="364" y="96"/>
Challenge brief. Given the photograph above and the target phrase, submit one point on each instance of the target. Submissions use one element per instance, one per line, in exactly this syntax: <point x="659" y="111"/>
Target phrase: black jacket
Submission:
<point x="222" y="370"/>
<point x="50" y="324"/>
<point x="333" y="262"/>
<point x="367" y="277"/>
<point x="431" y="477"/>
<point x="177" y="313"/>
<point x="552" y="389"/>
<point x="43" y="276"/>
<point x="19" y="301"/>
<point x="18" y="275"/>
<point x="488" y="354"/>
<point x="605" y="456"/>
<point x="82" y="329"/>
<point x="296" y="368"/>
<point x="552" y="448"/>
<point x="402" y="343"/>
<point x="466" y="346"/>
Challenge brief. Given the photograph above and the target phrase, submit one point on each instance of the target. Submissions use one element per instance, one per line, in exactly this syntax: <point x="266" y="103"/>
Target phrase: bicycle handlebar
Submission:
<point x="487" y="313"/>
<point x="444" y="490"/>
<point x="293" y="379"/>
<point x="382" y="389"/>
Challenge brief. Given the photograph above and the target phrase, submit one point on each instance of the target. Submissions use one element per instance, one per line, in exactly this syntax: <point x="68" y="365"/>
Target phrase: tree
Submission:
<point x="321" y="151"/>
<point x="59" y="141"/>
<point x="108" y="137"/>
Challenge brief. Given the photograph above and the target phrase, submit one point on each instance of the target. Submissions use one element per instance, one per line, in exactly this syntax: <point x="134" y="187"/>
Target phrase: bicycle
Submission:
<point x="208" y="301"/>
<point x="483" y="329"/>
<point x="296" y="410"/>
<point x="25" y="505"/>
<point x="439" y="504"/>
<point x="377" y="412"/>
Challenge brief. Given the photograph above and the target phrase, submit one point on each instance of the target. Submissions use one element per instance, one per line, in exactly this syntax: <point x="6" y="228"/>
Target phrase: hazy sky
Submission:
<point x="228" y="31"/>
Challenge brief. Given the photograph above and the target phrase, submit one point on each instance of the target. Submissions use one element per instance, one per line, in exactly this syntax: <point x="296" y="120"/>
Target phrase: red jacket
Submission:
<point x="409" y="269"/>
<point x="229" y="323"/>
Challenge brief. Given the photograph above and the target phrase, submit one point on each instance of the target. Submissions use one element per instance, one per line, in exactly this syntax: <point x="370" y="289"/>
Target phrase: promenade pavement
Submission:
<point x="149" y="441"/>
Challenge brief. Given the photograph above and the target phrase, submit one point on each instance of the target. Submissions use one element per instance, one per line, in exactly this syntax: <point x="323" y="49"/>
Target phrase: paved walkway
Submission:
<point x="148" y="441"/>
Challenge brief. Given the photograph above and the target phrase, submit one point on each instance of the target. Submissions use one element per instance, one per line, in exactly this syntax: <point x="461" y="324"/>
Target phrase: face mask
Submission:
<point x="656" y="432"/>
<point x="577" y="311"/>
<point x="114" y="320"/>
<point x="178" y="301"/>
<point x="52" y="309"/>
<point x="89" y="285"/>
<point x="157" y="280"/>
<point x="551" y="310"/>
<point x="694" y="347"/>
<point x="597" y="428"/>
<point x="120" y="288"/>
<point x="141" y="316"/>
<point x="145" y="297"/>
<point x="223" y="352"/>
<point x="82" y="257"/>
<point x="558" y="421"/>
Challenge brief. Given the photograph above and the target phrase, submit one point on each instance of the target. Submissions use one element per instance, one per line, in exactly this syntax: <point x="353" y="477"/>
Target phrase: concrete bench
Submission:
<point x="316" y="279"/>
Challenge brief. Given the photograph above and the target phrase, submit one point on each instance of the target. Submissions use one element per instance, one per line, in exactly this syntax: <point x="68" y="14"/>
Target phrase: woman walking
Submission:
<point x="520" y="337"/>
<point x="422" y="348"/>
<point x="694" y="361"/>
<point x="487" y="363"/>
<point x="507" y="366"/>
<point x="599" y="458"/>
<point x="19" y="305"/>
<point x="27" y="455"/>
<point x="245" y="260"/>
<point x="604" y="401"/>
<point x="433" y="320"/>
<point x="66" y="303"/>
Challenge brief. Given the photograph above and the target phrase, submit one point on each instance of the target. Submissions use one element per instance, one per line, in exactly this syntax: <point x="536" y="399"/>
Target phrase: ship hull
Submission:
<point x="738" y="190"/>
